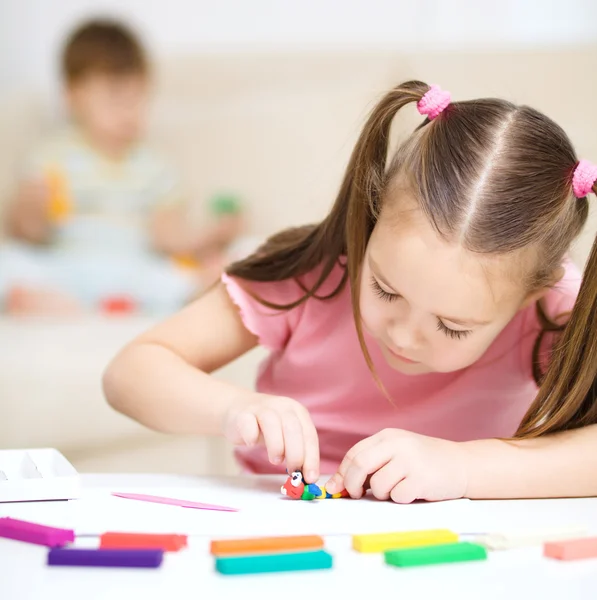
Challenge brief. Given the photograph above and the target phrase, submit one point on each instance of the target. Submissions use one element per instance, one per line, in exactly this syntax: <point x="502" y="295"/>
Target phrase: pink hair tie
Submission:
<point x="585" y="176"/>
<point x="434" y="102"/>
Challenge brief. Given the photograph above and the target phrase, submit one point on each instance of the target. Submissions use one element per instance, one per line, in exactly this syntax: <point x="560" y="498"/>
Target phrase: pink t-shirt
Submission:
<point x="317" y="360"/>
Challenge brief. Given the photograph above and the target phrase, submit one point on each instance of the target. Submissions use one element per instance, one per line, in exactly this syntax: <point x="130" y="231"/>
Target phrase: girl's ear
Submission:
<point x="538" y="293"/>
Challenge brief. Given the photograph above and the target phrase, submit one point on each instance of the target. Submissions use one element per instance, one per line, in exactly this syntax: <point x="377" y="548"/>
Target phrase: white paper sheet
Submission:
<point x="262" y="511"/>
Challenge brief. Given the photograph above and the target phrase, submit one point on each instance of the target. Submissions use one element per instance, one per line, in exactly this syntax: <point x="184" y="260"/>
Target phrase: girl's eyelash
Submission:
<point x="379" y="291"/>
<point x="452" y="333"/>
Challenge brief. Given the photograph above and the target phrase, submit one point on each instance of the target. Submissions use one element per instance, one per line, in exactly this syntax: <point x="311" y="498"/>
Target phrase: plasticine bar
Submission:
<point x="266" y="544"/>
<point x="166" y="542"/>
<point x="274" y="563"/>
<point x="79" y="557"/>
<point x="518" y="539"/>
<point x="572" y="549"/>
<point x="430" y="555"/>
<point x="407" y="539"/>
<point x="25" y="531"/>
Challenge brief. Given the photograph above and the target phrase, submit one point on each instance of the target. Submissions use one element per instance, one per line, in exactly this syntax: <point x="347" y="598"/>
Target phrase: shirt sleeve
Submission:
<point x="273" y="327"/>
<point x="47" y="154"/>
<point x="36" y="163"/>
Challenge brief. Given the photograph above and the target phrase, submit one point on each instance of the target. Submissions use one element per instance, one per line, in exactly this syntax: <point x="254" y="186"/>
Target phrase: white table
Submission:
<point x="521" y="573"/>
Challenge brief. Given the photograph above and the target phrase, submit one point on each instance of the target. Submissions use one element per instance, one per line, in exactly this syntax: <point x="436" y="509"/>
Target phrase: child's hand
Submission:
<point x="34" y="197"/>
<point x="283" y="425"/>
<point x="28" y="218"/>
<point x="403" y="466"/>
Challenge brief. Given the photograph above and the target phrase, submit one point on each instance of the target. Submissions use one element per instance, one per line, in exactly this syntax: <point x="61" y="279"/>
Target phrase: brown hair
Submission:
<point x="490" y="175"/>
<point x="102" y="46"/>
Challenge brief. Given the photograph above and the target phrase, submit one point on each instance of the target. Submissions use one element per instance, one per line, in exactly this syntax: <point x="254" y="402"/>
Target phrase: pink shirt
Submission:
<point x="316" y="359"/>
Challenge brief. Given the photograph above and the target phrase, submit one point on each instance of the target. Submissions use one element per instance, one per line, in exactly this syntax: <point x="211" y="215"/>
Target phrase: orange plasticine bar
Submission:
<point x="168" y="542"/>
<point x="571" y="549"/>
<point x="266" y="544"/>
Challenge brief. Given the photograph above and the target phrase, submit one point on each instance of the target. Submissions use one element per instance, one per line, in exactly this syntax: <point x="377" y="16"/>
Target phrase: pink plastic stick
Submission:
<point x="174" y="502"/>
<point x="24" y="531"/>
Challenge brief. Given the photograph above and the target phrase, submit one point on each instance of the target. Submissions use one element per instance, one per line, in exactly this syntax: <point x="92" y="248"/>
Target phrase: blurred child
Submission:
<point x="97" y="214"/>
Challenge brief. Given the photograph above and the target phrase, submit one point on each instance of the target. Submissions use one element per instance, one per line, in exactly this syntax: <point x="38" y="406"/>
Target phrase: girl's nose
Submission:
<point x="404" y="333"/>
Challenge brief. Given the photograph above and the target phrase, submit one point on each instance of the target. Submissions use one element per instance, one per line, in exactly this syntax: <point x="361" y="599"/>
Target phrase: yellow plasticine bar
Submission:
<point x="380" y="542"/>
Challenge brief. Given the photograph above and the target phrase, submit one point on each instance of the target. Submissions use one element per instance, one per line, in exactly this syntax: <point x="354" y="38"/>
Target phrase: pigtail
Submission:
<point x="363" y="186"/>
<point x="346" y="230"/>
<point x="568" y="393"/>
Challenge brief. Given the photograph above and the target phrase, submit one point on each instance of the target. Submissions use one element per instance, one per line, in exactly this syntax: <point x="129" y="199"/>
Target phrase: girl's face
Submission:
<point x="430" y="305"/>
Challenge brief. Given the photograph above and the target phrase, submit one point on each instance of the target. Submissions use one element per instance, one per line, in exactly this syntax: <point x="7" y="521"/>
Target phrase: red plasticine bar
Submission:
<point x="168" y="542"/>
<point x="24" y="531"/>
<point x="571" y="549"/>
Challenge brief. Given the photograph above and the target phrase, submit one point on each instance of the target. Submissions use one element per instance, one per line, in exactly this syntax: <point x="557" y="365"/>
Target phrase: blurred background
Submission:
<point x="261" y="101"/>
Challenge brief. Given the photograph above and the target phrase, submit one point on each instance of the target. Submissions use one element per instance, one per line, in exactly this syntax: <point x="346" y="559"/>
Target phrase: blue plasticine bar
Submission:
<point x="432" y="555"/>
<point x="274" y="563"/>
<point x="84" y="557"/>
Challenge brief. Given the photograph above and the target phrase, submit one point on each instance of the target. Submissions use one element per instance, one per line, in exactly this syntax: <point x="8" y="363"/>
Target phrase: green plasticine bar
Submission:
<point x="431" y="555"/>
<point x="274" y="563"/>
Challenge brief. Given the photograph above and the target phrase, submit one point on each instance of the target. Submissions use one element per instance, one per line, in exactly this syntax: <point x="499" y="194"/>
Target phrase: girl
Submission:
<point x="409" y="330"/>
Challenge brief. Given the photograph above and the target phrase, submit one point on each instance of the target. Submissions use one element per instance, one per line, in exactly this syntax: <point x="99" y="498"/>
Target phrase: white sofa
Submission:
<point x="278" y="129"/>
<point x="51" y="396"/>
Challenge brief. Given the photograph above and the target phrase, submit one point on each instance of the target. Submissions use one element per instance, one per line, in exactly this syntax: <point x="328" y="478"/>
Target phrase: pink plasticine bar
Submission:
<point x="25" y="531"/>
<point x="174" y="502"/>
<point x="571" y="549"/>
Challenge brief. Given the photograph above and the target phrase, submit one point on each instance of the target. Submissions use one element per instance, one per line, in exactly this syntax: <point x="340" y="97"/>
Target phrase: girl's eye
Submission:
<point x="452" y="333"/>
<point x="379" y="291"/>
<point x="441" y="326"/>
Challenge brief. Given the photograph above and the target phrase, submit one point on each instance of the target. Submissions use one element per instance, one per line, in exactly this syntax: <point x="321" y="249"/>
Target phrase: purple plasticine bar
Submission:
<point x="25" y="531"/>
<point x="85" y="557"/>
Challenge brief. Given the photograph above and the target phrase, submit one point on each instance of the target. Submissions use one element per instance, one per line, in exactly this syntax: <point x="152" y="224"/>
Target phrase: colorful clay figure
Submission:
<point x="295" y="488"/>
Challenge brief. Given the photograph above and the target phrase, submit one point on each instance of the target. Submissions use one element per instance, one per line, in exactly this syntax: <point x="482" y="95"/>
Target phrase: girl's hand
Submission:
<point x="403" y="466"/>
<point x="283" y="425"/>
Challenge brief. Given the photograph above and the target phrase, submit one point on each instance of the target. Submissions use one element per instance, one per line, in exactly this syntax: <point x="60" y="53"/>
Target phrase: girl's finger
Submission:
<point x="365" y="463"/>
<point x="245" y="430"/>
<point x="336" y="482"/>
<point x="383" y="481"/>
<point x="294" y="444"/>
<point x="271" y="429"/>
<point x="311" y="457"/>
<point x="405" y="492"/>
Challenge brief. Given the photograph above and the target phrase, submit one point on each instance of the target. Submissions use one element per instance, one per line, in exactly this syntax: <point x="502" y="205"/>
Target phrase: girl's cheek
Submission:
<point x="458" y="354"/>
<point x="369" y="320"/>
<point x="452" y="361"/>
<point x="372" y="314"/>
<point x="367" y="314"/>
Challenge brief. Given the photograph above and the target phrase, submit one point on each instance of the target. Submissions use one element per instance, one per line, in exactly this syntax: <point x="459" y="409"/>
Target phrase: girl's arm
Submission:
<point x="406" y="466"/>
<point x="557" y="465"/>
<point x="161" y="379"/>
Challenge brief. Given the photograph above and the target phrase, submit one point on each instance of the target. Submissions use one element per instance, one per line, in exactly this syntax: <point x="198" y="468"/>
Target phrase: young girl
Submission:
<point x="409" y="330"/>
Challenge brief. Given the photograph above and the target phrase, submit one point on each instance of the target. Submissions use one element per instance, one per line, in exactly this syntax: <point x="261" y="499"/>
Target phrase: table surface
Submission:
<point x="520" y="573"/>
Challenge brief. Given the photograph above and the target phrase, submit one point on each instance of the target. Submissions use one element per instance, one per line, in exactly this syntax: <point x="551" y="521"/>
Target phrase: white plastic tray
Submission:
<point x="36" y="474"/>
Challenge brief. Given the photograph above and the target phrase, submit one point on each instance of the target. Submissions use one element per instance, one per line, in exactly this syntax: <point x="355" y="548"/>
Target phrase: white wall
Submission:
<point x="31" y="31"/>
